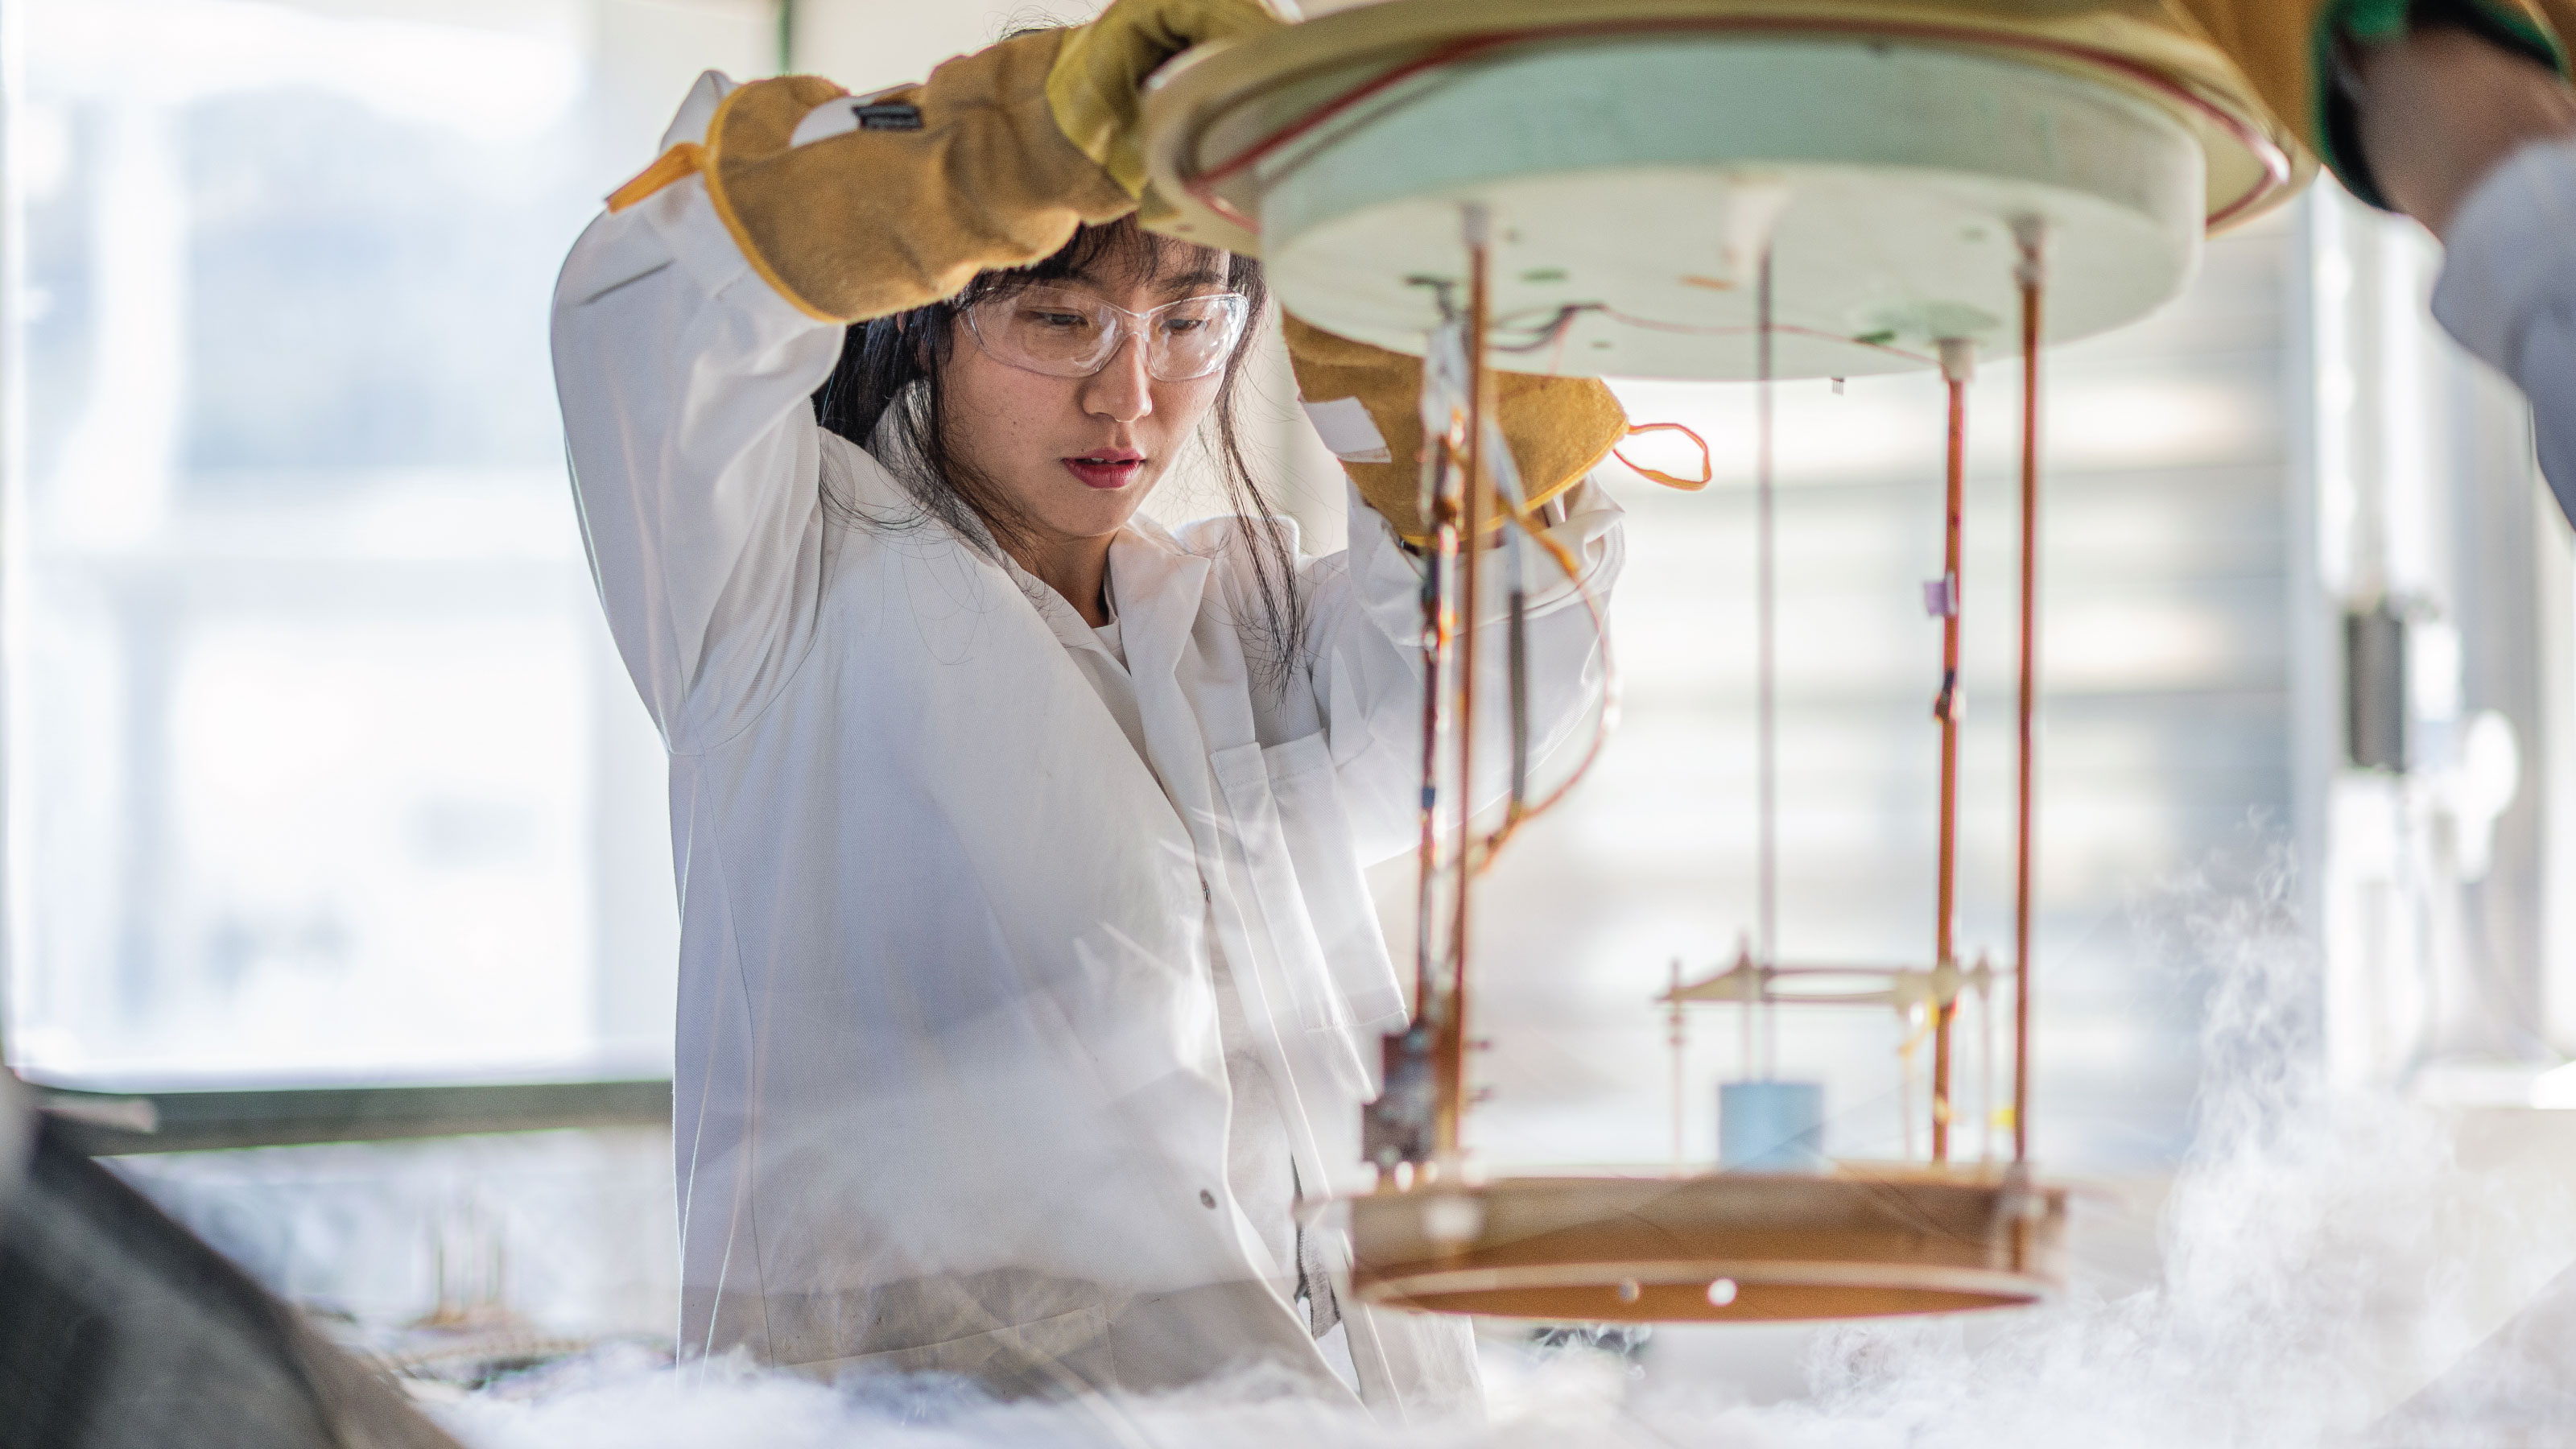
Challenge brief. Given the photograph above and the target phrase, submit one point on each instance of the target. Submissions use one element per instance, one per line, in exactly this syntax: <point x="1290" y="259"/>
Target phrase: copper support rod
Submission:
<point x="1440" y="557"/>
<point x="1955" y="361"/>
<point x="1450" y="1050"/>
<point x="2028" y="234"/>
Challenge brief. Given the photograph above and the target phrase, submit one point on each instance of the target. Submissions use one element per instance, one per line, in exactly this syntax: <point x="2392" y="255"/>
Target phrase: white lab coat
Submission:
<point x="949" y="1092"/>
<point x="2508" y="293"/>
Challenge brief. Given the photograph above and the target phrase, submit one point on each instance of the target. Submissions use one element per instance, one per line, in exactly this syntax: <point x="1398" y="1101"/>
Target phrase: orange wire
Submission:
<point x="1491" y="846"/>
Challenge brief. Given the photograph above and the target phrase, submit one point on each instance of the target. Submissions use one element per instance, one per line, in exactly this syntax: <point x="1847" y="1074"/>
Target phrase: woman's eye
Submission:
<point x="1184" y="324"/>
<point x="1062" y="321"/>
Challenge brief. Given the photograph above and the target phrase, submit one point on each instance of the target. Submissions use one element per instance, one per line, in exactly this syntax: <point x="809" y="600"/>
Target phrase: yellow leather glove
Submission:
<point x="2286" y="50"/>
<point x="1095" y="88"/>
<point x="1556" y="427"/>
<point x="904" y="198"/>
<point x="992" y="162"/>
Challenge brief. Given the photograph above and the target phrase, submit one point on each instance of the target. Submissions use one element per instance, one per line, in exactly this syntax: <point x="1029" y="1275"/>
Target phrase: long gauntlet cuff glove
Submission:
<point x="857" y="208"/>
<point x="1556" y="427"/>
<point x="900" y="199"/>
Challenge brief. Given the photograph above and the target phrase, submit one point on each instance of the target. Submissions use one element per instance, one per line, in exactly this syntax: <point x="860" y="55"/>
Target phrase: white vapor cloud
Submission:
<point x="2324" y="1257"/>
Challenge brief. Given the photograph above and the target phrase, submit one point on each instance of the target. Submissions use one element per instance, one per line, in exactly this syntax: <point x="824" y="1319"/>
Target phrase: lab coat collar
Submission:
<point x="1157" y="585"/>
<point x="1062" y="619"/>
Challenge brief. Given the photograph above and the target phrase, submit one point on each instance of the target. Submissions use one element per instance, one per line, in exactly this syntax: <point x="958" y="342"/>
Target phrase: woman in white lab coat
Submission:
<point x="1028" y="979"/>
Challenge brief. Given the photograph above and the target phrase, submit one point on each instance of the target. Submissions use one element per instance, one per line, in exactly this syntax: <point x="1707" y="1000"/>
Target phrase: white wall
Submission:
<point x="2440" y="896"/>
<point x="871" y="44"/>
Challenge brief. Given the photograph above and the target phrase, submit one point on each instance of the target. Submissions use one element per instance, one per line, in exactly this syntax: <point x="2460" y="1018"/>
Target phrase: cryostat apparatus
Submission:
<point x="1739" y="190"/>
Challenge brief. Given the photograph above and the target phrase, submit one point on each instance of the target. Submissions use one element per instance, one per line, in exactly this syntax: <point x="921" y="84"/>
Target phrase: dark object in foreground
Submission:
<point x="120" y="1330"/>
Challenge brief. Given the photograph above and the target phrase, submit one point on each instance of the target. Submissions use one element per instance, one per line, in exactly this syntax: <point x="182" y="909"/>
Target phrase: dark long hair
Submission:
<point x="888" y="396"/>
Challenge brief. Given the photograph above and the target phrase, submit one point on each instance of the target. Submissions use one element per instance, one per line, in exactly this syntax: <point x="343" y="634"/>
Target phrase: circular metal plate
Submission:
<point x="1859" y="1243"/>
<point x="1634" y="153"/>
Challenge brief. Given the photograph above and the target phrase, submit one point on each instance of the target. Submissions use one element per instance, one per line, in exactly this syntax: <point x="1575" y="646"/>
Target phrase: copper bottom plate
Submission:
<point x="1857" y="1243"/>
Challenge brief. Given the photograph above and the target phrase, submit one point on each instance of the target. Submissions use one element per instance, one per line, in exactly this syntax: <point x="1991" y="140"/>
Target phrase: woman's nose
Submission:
<point x="1122" y="389"/>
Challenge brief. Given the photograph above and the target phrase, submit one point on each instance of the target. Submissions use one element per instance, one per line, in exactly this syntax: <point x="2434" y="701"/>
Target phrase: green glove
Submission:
<point x="2286" y="50"/>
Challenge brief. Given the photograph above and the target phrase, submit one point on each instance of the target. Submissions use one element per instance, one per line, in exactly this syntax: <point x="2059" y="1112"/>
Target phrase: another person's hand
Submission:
<point x="2441" y="109"/>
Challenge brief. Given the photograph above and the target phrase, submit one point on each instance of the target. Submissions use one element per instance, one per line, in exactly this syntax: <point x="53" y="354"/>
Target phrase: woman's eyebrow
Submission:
<point x="1194" y="278"/>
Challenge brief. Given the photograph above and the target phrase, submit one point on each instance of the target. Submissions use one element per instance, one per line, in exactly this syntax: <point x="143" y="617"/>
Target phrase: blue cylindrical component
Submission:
<point x="1771" y="1126"/>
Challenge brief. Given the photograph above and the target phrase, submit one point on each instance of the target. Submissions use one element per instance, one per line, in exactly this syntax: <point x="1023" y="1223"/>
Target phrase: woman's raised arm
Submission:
<point x="684" y="379"/>
<point x="694" y="319"/>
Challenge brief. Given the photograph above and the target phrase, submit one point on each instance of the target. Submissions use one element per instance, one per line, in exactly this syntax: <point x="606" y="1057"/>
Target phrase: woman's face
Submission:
<point x="1077" y="455"/>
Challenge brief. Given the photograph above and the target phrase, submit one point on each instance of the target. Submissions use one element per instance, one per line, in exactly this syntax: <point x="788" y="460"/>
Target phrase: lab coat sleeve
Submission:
<point x="2508" y="293"/>
<point x="685" y="382"/>
<point x="1365" y="643"/>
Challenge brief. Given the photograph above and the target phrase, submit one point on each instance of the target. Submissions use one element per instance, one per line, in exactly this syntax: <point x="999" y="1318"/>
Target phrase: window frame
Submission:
<point x="104" y="1123"/>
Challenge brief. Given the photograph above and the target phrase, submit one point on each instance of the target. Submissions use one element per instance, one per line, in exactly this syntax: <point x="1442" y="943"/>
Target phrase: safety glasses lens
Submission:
<point x="1064" y="333"/>
<point x="1194" y="336"/>
<point x="1045" y="330"/>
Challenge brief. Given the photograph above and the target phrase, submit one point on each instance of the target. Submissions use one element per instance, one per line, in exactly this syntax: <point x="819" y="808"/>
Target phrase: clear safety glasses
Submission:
<point x="1065" y="333"/>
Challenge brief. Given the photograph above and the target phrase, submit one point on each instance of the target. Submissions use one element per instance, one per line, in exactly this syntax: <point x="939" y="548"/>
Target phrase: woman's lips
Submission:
<point x="1107" y="471"/>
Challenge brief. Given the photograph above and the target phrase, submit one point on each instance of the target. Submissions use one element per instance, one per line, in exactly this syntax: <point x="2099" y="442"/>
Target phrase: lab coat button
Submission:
<point x="1207" y="1199"/>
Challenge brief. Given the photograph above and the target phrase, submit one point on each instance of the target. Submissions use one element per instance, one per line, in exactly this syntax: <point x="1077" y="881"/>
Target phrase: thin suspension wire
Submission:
<point x="1985" y="1063"/>
<point x="1767" y="768"/>
<point x="1677" y="1029"/>
<point x="1956" y="358"/>
<point x="1756" y="986"/>
<point x="2031" y="274"/>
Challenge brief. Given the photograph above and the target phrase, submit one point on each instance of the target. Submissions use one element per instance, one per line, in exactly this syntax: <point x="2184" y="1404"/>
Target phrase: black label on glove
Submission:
<point x="888" y="116"/>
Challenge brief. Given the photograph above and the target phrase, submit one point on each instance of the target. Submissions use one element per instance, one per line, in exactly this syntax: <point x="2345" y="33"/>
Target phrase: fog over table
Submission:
<point x="2333" y="1268"/>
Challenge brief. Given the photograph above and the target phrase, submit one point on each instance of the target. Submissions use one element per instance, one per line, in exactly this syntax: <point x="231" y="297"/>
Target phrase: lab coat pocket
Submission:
<point x="1067" y="1350"/>
<point x="1318" y="835"/>
<point x="1270" y="909"/>
<point x="1269" y="905"/>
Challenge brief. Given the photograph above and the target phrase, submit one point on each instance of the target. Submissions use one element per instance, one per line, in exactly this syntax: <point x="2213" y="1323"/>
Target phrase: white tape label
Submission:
<point x="1348" y="430"/>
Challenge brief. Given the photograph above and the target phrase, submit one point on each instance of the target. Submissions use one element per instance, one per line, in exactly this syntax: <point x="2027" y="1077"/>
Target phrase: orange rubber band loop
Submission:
<point x="1707" y="463"/>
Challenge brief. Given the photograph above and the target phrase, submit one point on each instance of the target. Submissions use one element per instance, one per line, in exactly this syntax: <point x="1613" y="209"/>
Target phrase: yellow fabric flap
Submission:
<point x="683" y="160"/>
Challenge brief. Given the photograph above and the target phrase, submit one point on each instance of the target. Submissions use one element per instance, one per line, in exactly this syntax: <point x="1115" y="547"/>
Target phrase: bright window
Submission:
<point x="320" y="765"/>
